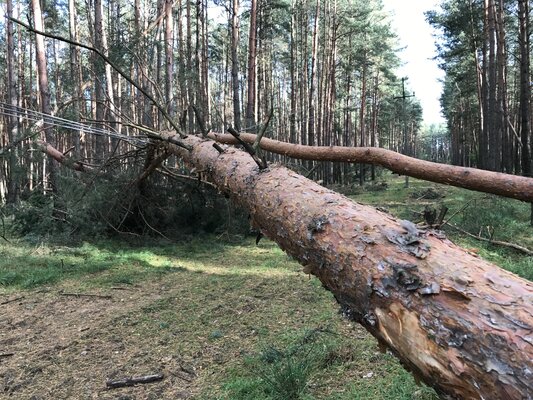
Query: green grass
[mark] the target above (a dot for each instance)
(23, 266)
(477, 213)
(244, 315)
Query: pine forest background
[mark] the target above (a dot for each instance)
(324, 70)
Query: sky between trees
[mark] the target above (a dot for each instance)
(409, 21)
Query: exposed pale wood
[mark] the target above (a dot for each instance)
(60, 157)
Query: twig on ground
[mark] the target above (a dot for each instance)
(131, 381)
(5, 355)
(514, 246)
(12, 300)
(101, 296)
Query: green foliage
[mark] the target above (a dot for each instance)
(495, 216)
(282, 374)
(111, 205)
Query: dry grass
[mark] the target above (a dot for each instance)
(204, 312)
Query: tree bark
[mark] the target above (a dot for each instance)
(516, 187)
(252, 55)
(461, 324)
(525, 87)
(235, 65)
(44, 90)
(169, 57)
(99, 77)
(12, 182)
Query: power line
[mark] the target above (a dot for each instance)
(32, 115)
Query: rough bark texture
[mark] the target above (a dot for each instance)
(513, 186)
(461, 324)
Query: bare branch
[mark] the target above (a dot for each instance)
(513, 186)
(118, 70)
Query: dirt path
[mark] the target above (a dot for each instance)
(66, 347)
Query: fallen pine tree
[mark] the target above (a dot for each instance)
(461, 324)
(513, 186)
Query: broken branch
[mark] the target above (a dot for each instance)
(131, 381)
(102, 296)
(249, 149)
(513, 186)
(514, 246)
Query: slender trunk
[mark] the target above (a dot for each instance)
(525, 87)
(12, 180)
(44, 92)
(99, 78)
(493, 113)
(292, 72)
(169, 56)
(312, 78)
(252, 55)
(235, 64)
(362, 125)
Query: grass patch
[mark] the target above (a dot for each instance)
(242, 316)
(505, 219)
(322, 364)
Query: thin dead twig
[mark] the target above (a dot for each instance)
(514, 246)
(101, 296)
(131, 381)
(12, 300)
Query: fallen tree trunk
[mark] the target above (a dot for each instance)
(461, 324)
(513, 186)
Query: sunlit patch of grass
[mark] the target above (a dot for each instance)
(507, 220)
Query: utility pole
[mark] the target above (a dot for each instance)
(406, 148)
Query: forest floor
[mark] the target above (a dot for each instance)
(219, 317)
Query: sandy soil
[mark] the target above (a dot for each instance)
(54, 346)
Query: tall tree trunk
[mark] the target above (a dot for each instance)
(235, 64)
(525, 86)
(12, 180)
(44, 92)
(493, 112)
(75, 72)
(292, 71)
(169, 57)
(362, 124)
(99, 78)
(313, 78)
(504, 160)
(252, 55)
